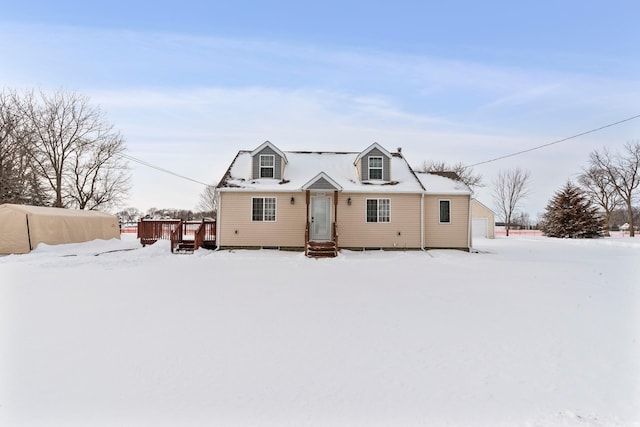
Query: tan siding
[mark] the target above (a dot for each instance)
(451, 235)
(478, 210)
(355, 232)
(286, 231)
(403, 230)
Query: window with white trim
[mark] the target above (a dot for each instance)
(267, 165)
(445, 211)
(378, 210)
(263, 208)
(375, 167)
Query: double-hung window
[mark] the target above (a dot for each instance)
(375, 167)
(378, 210)
(445, 211)
(263, 209)
(267, 165)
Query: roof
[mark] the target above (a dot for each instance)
(476, 201)
(436, 183)
(60, 212)
(303, 167)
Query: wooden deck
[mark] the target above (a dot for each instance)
(185, 236)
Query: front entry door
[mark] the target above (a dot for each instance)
(320, 218)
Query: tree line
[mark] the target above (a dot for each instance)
(57, 149)
(606, 192)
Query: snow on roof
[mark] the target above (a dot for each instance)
(437, 184)
(304, 166)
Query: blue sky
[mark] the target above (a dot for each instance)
(189, 84)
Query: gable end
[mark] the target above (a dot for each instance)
(321, 184)
(266, 151)
(386, 165)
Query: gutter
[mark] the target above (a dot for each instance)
(469, 224)
(219, 204)
(364, 189)
(422, 222)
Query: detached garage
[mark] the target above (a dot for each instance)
(483, 220)
(22, 227)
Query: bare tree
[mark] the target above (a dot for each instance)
(622, 171)
(601, 191)
(466, 174)
(522, 219)
(129, 215)
(18, 181)
(75, 150)
(207, 203)
(510, 187)
(9, 149)
(97, 176)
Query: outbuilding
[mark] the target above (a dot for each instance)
(483, 220)
(23, 227)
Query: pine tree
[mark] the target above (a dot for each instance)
(571, 214)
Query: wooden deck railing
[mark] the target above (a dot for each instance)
(206, 232)
(176, 236)
(306, 239)
(335, 236)
(201, 233)
(150, 231)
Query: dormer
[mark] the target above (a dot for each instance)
(267, 161)
(374, 164)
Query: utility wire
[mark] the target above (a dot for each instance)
(554, 142)
(158, 168)
(495, 159)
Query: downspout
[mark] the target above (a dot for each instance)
(422, 221)
(218, 222)
(469, 224)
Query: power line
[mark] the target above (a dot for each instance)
(554, 142)
(158, 168)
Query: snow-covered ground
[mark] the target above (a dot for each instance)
(528, 332)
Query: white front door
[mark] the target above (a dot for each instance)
(320, 218)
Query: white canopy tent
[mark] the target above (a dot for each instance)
(23, 227)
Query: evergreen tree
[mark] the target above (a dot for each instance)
(571, 214)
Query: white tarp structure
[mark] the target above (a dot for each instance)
(23, 227)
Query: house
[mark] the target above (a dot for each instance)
(482, 220)
(23, 227)
(319, 201)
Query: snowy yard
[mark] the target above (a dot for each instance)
(528, 332)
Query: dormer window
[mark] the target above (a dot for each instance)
(374, 164)
(267, 161)
(375, 167)
(267, 166)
